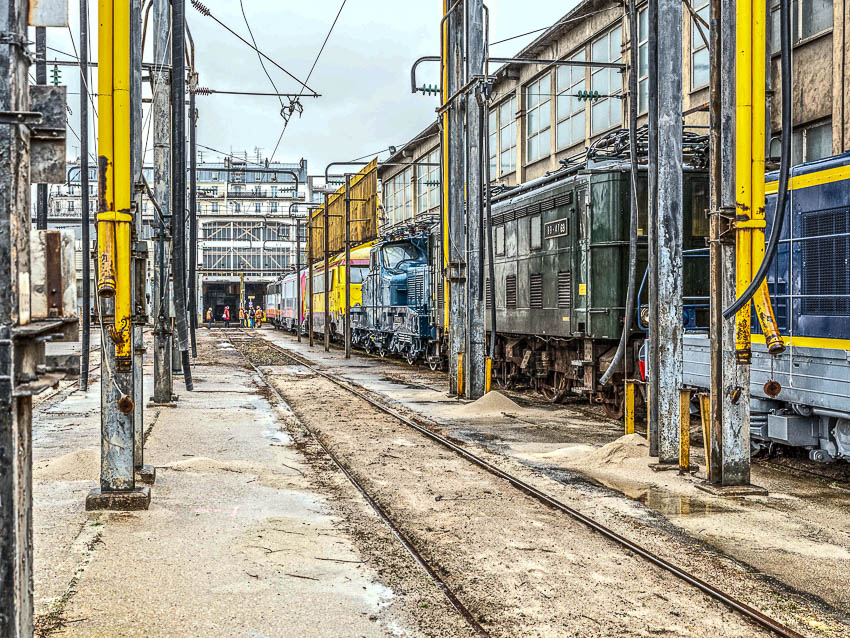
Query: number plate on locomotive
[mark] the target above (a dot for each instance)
(556, 228)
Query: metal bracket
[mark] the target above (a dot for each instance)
(21, 118)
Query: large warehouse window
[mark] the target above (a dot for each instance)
(570, 110)
(503, 138)
(699, 49)
(427, 182)
(607, 112)
(398, 200)
(538, 117)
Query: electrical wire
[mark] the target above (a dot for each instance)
(310, 74)
(259, 57)
(583, 16)
(206, 12)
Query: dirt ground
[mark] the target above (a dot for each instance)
(777, 560)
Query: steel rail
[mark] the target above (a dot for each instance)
(382, 514)
(745, 610)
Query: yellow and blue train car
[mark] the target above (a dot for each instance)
(809, 283)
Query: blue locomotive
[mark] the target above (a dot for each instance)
(394, 315)
(809, 283)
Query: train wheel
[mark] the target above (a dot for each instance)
(382, 352)
(614, 406)
(410, 357)
(434, 363)
(557, 391)
(504, 380)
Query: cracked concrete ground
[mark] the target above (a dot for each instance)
(241, 538)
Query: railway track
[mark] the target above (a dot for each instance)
(423, 428)
(411, 549)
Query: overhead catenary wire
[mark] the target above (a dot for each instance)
(259, 57)
(206, 12)
(310, 74)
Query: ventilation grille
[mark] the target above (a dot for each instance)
(441, 292)
(419, 288)
(510, 291)
(487, 292)
(565, 289)
(826, 263)
(531, 209)
(535, 287)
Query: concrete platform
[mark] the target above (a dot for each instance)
(129, 501)
(732, 490)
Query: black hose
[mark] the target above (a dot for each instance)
(633, 208)
(784, 162)
(488, 209)
(84, 184)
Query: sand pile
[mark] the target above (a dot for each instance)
(80, 465)
(491, 404)
(630, 446)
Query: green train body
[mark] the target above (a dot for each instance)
(561, 271)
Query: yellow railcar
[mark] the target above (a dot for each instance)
(336, 293)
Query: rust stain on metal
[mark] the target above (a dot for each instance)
(53, 264)
(125, 404)
(102, 167)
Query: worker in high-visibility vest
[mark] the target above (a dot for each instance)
(209, 318)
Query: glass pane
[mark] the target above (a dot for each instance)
(819, 142)
(616, 44)
(797, 147)
(562, 134)
(493, 120)
(543, 143)
(643, 60)
(643, 25)
(531, 96)
(563, 78)
(533, 122)
(577, 124)
(505, 138)
(600, 82)
(599, 117)
(816, 15)
(563, 106)
(699, 69)
(599, 50)
(643, 95)
(506, 162)
(506, 113)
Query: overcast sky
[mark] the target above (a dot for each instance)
(363, 73)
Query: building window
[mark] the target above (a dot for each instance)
(237, 207)
(699, 48)
(493, 141)
(606, 112)
(258, 177)
(503, 138)
(214, 177)
(215, 207)
(808, 143)
(427, 183)
(643, 61)
(808, 18)
(70, 204)
(570, 110)
(257, 207)
(273, 206)
(398, 198)
(538, 117)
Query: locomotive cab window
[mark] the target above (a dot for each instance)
(394, 255)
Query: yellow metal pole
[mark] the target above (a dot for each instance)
(105, 176)
(459, 374)
(743, 169)
(761, 300)
(684, 431)
(123, 178)
(705, 415)
(488, 374)
(630, 406)
(444, 77)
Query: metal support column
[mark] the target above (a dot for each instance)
(115, 177)
(668, 332)
(41, 78)
(347, 318)
(178, 194)
(326, 278)
(137, 166)
(298, 279)
(193, 213)
(163, 386)
(16, 604)
(475, 364)
(652, 223)
(735, 427)
(85, 337)
(454, 180)
(310, 258)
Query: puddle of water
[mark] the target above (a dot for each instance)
(668, 503)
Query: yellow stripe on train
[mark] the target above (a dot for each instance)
(819, 178)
